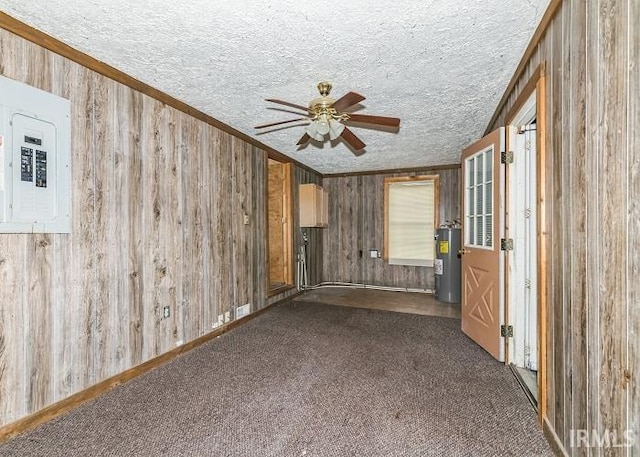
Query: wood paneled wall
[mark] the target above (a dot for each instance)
(591, 51)
(158, 200)
(356, 223)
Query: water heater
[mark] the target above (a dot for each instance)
(448, 265)
(35, 140)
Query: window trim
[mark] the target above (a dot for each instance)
(398, 179)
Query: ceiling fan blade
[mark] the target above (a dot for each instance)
(378, 120)
(292, 105)
(355, 142)
(281, 122)
(347, 100)
(304, 139)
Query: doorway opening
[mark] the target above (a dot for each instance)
(522, 228)
(279, 227)
(504, 282)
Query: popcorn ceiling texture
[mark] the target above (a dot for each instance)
(439, 65)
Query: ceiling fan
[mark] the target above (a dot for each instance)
(327, 116)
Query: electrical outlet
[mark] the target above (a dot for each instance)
(227, 316)
(243, 310)
(166, 312)
(179, 343)
(215, 324)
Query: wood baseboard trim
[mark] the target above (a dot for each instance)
(553, 440)
(56, 409)
(280, 290)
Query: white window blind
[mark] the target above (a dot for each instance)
(411, 214)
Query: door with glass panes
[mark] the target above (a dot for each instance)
(482, 259)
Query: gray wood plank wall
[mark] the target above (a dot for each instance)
(591, 50)
(158, 200)
(356, 223)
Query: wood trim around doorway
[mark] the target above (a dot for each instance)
(537, 83)
(285, 241)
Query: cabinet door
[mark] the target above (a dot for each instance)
(313, 206)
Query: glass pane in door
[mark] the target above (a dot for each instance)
(479, 200)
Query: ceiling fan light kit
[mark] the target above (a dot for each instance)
(323, 125)
(335, 129)
(327, 117)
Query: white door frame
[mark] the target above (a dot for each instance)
(522, 228)
(537, 83)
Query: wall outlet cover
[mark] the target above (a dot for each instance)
(243, 310)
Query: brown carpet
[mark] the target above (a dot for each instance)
(309, 380)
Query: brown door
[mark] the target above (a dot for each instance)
(482, 259)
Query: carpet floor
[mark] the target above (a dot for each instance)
(309, 379)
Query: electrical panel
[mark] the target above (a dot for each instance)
(35, 143)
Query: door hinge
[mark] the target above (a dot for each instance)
(506, 244)
(506, 331)
(506, 157)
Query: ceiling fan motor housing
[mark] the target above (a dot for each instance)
(322, 106)
(324, 88)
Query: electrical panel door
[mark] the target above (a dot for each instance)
(34, 160)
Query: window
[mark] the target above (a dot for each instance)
(411, 212)
(479, 200)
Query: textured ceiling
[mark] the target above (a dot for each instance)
(439, 65)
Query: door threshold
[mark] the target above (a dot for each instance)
(525, 387)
